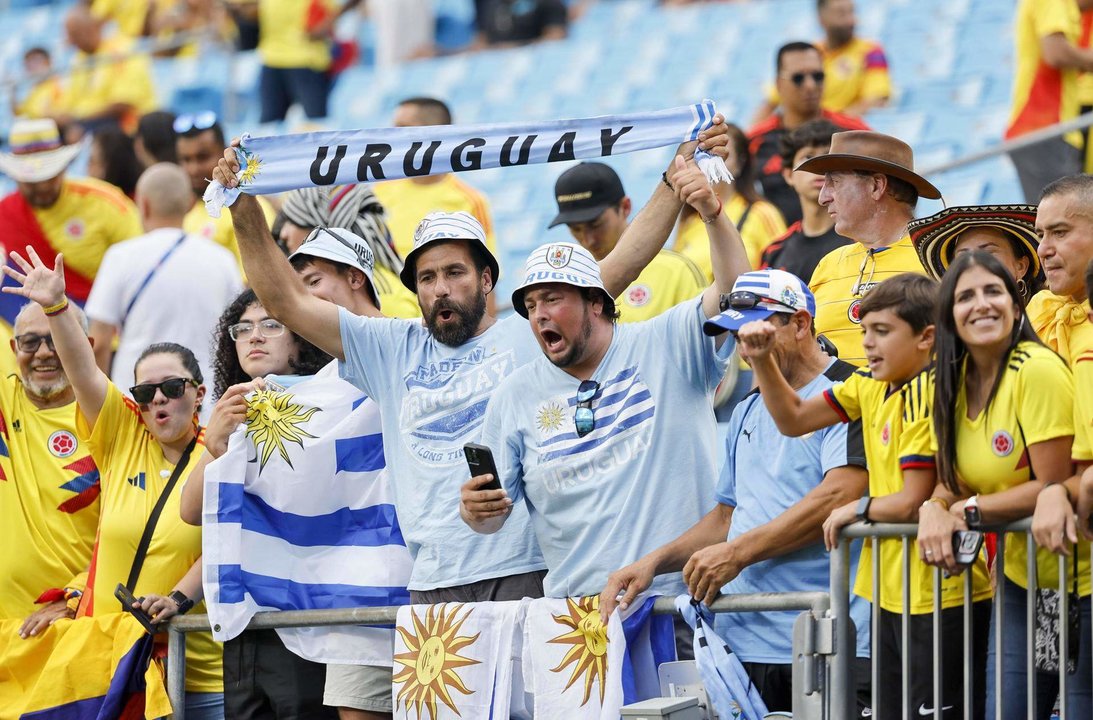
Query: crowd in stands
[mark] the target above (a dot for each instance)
(867, 365)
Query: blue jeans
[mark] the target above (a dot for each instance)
(1014, 677)
(204, 706)
(280, 88)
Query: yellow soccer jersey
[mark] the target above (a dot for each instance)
(664, 283)
(220, 230)
(1043, 95)
(855, 72)
(407, 202)
(115, 74)
(396, 300)
(1033, 403)
(283, 40)
(1083, 407)
(134, 473)
(763, 225)
(49, 499)
(897, 434)
(88, 217)
(841, 280)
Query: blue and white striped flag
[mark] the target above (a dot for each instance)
(299, 515)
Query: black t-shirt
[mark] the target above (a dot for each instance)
(799, 254)
(503, 21)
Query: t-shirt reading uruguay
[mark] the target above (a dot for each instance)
(433, 398)
(766, 473)
(645, 473)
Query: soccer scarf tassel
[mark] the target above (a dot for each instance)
(345, 157)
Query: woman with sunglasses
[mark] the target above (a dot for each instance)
(250, 346)
(142, 448)
(1003, 423)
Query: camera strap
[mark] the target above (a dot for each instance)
(153, 519)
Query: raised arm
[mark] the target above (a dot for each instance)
(793, 416)
(46, 286)
(276, 284)
(645, 237)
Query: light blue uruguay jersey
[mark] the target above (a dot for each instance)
(433, 399)
(765, 473)
(642, 476)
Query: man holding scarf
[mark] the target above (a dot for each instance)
(433, 380)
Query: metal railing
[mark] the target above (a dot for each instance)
(815, 649)
(874, 532)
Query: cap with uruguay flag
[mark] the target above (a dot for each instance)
(560, 262)
(770, 292)
(443, 227)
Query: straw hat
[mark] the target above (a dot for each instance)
(935, 236)
(872, 152)
(35, 151)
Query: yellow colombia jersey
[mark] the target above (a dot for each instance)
(396, 300)
(1083, 407)
(49, 499)
(1043, 95)
(129, 15)
(763, 225)
(88, 217)
(115, 74)
(283, 40)
(841, 280)
(407, 202)
(1033, 404)
(664, 283)
(134, 473)
(897, 433)
(220, 230)
(855, 72)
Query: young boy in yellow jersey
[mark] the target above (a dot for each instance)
(892, 399)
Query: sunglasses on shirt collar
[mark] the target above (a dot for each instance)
(584, 417)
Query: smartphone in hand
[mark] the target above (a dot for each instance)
(966, 546)
(127, 599)
(480, 462)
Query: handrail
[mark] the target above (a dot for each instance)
(891, 530)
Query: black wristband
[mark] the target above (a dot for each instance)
(863, 508)
(666, 181)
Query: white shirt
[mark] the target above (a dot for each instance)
(180, 303)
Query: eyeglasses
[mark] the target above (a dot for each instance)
(196, 121)
(748, 300)
(859, 288)
(172, 389)
(584, 419)
(798, 78)
(30, 343)
(268, 328)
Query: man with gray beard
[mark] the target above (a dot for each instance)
(49, 485)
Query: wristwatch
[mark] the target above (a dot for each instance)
(863, 508)
(184, 603)
(972, 516)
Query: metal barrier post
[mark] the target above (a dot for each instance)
(1030, 623)
(1064, 634)
(841, 704)
(176, 671)
(938, 660)
(999, 615)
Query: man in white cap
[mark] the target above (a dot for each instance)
(56, 214)
(433, 379)
(612, 422)
(774, 492)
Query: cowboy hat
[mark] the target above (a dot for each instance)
(934, 237)
(35, 151)
(872, 152)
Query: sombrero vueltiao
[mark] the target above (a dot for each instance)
(35, 152)
(934, 236)
(871, 152)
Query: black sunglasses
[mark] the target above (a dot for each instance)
(364, 254)
(798, 78)
(30, 343)
(172, 389)
(747, 300)
(584, 419)
(196, 121)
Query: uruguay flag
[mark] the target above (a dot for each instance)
(299, 515)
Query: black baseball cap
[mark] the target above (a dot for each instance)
(584, 192)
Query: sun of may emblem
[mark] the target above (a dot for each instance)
(252, 165)
(430, 665)
(550, 417)
(273, 420)
(588, 636)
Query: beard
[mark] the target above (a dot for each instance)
(468, 316)
(840, 36)
(579, 347)
(46, 391)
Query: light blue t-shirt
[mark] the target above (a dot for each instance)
(645, 473)
(775, 473)
(433, 398)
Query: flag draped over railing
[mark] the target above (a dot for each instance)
(298, 515)
(345, 157)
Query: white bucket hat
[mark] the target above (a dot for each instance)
(443, 227)
(560, 262)
(341, 246)
(35, 152)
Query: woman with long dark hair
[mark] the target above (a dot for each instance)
(1003, 422)
(757, 220)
